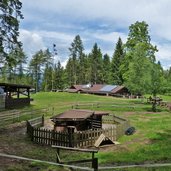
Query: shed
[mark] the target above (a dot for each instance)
(78, 120)
(14, 95)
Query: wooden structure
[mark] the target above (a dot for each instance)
(76, 139)
(101, 89)
(15, 95)
(78, 120)
(93, 160)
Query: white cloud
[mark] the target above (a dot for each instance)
(58, 21)
(110, 37)
(59, 36)
(32, 42)
(164, 52)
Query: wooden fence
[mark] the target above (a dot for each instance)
(11, 116)
(76, 139)
(102, 105)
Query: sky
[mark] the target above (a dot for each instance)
(48, 22)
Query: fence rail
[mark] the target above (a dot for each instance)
(76, 139)
(102, 104)
(12, 116)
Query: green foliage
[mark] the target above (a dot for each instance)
(117, 60)
(96, 64)
(9, 26)
(37, 64)
(47, 78)
(139, 69)
(106, 70)
(75, 61)
(138, 77)
(59, 77)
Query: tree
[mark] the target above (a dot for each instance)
(69, 72)
(59, 76)
(96, 65)
(158, 82)
(117, 60)
(37, 65)
(10, 14)
(139, 68)
(138, 77)
(82, 69)
(76, 56)
(106, 69)
(47, 78)
(14, 64)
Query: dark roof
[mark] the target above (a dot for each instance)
(76, 115)
(14, 85)
(117, 89)
(75, 88)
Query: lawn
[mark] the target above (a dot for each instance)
(149, 144)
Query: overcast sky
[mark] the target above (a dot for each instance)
(48, 22)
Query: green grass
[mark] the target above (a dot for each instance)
(149, 144)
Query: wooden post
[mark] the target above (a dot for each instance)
(28, 92)
(95, 164)
(43, 120)
(71, 131)
(18, 93)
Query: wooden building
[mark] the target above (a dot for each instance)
(101, 89)
(78, 120)
(14, 95)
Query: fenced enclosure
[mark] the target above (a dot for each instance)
(75, 139)
(12, 116)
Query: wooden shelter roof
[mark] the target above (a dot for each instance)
(14, 85)
(77, 115)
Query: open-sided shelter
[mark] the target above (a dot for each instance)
(78, 120)
(14, 95)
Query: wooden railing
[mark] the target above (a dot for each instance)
(102, 104)
(11, 116)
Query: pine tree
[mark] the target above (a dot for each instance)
(117, 60)
(37, 65)
(106, 69)
(59, 77)
(96, 65)
(76, 55)
(47, 78)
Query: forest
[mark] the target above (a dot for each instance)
(133, 63)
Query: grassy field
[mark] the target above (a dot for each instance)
(151, 142)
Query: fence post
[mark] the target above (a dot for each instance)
(95, 164)
(27, 124)
(32, 133)
(43, 120)
(71, 137)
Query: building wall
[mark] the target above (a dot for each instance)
(2, 101)
(14, 103)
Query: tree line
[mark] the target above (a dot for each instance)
(132, 64)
